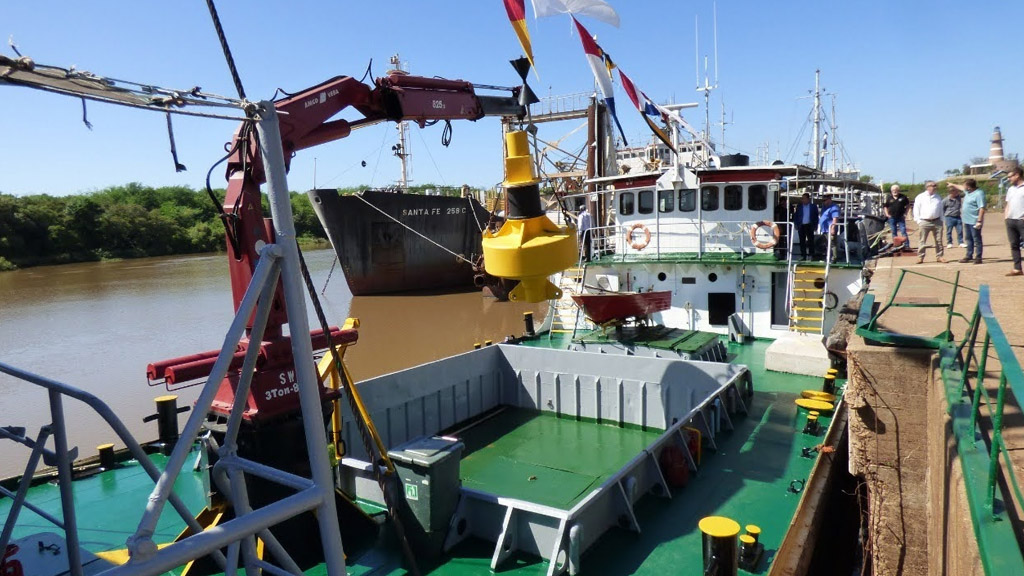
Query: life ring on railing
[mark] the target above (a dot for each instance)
(636, 243)
(762, 243)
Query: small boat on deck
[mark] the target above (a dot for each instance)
(621, 306)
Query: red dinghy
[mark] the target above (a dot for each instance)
(602, 308)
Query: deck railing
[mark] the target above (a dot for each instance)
(993, 488)
(63, 458)
(702, 238)
(976, 384)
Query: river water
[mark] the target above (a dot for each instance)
(97, 325)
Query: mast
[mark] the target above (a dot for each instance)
(817, 122)
(402, 148)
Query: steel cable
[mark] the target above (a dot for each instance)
(227, 50)
(364, 433)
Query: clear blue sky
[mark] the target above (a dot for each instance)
(919, 85)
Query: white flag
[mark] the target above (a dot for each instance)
(598, 9)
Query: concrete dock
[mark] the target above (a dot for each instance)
(900, 435)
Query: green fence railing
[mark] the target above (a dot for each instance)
(993, 490)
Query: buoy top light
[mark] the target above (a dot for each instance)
(719, 526)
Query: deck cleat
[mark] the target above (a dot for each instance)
(529, 247)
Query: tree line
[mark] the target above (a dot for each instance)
(127, 221)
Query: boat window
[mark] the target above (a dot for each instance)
(688, 280)
(709, 198)
(757, 197)
(626, 203)
(666, 200)
(646, 202)
(687, 200)
(733, 197)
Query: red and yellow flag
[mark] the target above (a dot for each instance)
(516, 10)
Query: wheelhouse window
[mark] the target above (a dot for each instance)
(709, 198)
(626, 203)
(687, 200)
(757, 197)
(646, 201)
(666, 200)
(733, 197)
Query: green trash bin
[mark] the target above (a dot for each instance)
(429, 470)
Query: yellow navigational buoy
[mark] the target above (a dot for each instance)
(529, 247)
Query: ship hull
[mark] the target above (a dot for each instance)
(377, 237)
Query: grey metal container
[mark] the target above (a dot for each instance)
(429, 469)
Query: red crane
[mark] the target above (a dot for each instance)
(305, 122)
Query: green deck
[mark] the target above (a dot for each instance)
(657, 337)
(747, 479)
(109, 506)
(545, 459)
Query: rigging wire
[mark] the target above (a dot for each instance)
(380, 152)
(413, 230)
(226, 49)
(361, 425)
(431, 156)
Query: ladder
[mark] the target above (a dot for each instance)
(807, 302)
(566, 316)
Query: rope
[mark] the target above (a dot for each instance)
(329, 274)
(364, 434)
(227, 51)
(472, 209)
(416, 232)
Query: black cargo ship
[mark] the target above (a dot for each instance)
(377, 237)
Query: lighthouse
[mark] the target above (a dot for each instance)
(995, 151)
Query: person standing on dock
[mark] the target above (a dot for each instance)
(972, 212)
(951, 212)
(584, 225)
(1014, 215)
(896, 211)
(928, 215)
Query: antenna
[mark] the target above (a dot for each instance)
(708, 86)
(696, 50)
(714, 8)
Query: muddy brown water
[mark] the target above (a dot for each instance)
(97, 325)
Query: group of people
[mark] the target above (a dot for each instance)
(961, 213)
(808, 219)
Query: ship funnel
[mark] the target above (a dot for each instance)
(529, 247)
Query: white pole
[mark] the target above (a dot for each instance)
(298, 326)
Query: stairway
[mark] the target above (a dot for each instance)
(566, 316)
(807, 306)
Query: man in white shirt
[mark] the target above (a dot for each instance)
(584, 225)
(928, 215)
(1014, 215)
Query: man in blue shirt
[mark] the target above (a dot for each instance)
(972, 212)
(827, 221)
(805, 218)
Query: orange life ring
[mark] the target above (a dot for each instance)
(637, 244)
(764, 244)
